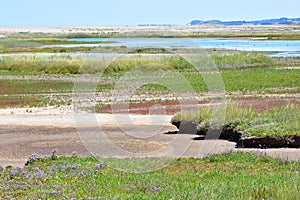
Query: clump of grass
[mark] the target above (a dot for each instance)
(240, 60)
(36, 64)
(148, 63)
(235, 115)
(280, 121)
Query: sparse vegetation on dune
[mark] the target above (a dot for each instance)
(267, 33)
(215, 177)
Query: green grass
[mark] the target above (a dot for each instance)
(280, 121)
(13, 87)
(20, 101)
(240, 60)
(226, 176)
(36, 64)
(34, 93)
(71, 65)
(243, 80)
(256, 79)
(33, 45)
(22, 42)
(45, 50)
(246, 80)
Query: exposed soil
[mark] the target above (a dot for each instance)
(18, 142)
(45, 129)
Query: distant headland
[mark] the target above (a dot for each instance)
(282, 20)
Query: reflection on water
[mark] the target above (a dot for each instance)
(275, 48)
(219, 43)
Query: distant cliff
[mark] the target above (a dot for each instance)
(257, 22)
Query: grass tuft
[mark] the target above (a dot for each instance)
(280, 121)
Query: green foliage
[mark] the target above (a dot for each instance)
(258, 79)
(240, 60)
(231, 116)
(225, 176)
(71, 65)
(280, 121)
(20, 93)
(36, 64)
(32, 42)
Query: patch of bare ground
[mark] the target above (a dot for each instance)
(48, 128)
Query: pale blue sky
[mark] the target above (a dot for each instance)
(134, 12)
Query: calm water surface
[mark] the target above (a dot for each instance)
(219, 43)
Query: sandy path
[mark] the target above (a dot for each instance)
(43, 130)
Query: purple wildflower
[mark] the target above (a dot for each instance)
(39, 173)
(81, 173)
(156, 189)
(74, 153)
(36, 169)
(63, 167)
(99, 166)
(38, 183)
(34, 156)
(73, 173)
(55, 186)
(53, 192)
(14, 172)
(74, 166)
(53, 169)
